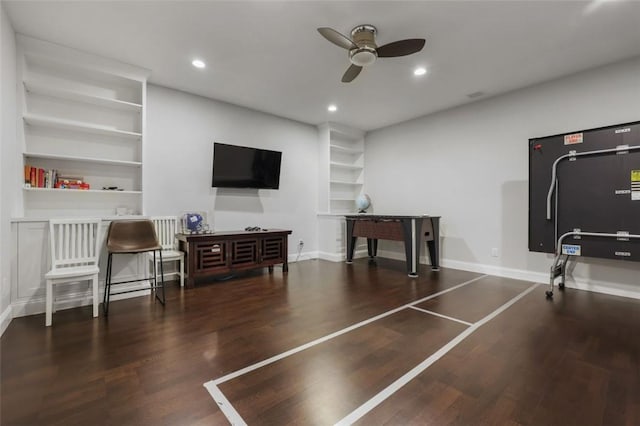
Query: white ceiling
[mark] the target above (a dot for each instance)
(268, 55)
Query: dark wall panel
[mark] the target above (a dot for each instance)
(595, 193)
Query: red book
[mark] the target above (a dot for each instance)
(27, 175)
(32, 177)
(40, 178)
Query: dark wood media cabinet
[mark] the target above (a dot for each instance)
(224, 252)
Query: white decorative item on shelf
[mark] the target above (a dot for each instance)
(363, 202)
(195, 223)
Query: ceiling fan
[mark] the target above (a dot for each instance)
(363, 50)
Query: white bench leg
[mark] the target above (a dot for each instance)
(48, 308)
(182, 272)
(95, 295)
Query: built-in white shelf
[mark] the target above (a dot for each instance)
(56, 123)
(345, 166)
(342, 171)
(346, 149)
(77, 96)
(79, 191)
(82, 159)
(344, 182)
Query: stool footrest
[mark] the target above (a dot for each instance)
(132, 281)
(153, 287)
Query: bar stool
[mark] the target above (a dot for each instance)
(132, 237)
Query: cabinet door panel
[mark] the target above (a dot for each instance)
(211, 256)
(244, 252)
(272, 249)
(33, 258)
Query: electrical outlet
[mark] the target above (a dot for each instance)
(494, 252)
(301, 242)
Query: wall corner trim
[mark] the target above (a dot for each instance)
(5, 319)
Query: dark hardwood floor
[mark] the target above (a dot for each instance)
(575, 360)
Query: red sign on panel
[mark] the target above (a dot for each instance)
(573, 139)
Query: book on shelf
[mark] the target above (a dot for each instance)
(35, 177)
(67, 182)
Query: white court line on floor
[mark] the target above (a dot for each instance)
(395, 386)
(440, 315)
(225, 406)
(300, 348)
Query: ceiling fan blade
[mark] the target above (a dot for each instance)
(401, 48)
(351, 73)
(336, 38)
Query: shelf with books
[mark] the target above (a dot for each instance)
(83, 191)
(83, 121)
(37, 177)
(47, 172)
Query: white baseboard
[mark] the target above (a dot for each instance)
(36, 305)
(604, 287)
(341, 257)
(305, 255)
(5, 319)
(331, 257)
(499, 271)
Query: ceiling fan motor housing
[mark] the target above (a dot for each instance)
(364, 37)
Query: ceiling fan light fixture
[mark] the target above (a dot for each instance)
(363, 49)
(363, 56)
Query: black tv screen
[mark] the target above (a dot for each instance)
(244, 167)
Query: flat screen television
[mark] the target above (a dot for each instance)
(244, 167)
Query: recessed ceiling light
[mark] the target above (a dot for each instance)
(332, 108)
(198, 63)
(420, 71)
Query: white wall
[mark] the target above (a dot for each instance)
(181, 129)
(7, 158)
(470, 165)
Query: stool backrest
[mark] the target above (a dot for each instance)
(132, 236)
(166, 229)
(74, 242)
